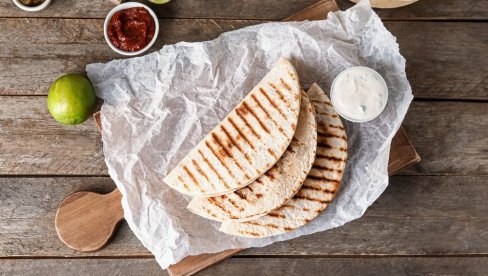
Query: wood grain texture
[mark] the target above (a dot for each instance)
(48, 48)
(256, 266)
(450, 137)
(28, 208)
(416, 215)
(95, 267)
(351, 266)
(445, 60)
(32, 142)
(253, 9)
(450, 63)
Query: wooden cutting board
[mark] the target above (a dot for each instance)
(85, 221)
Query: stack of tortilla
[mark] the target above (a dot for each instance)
(272, 165)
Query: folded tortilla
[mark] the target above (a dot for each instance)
(249, 141)
(274, 187)
(319, 187)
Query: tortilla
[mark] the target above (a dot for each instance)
(249, 141)
(274, 187)
(319, 187)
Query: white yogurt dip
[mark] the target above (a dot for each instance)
(359, 94)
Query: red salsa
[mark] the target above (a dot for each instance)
(131, 29)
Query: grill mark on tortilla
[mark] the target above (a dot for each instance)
(228, 152)
(249, 233)
(287, 228)
(280, 94)
(271, 152)
(258, 181)
(312, 199)
(270, 174)
(292, 76)
(328, 146)
(329, 114)
(214, 170)
(199, 169)
(221, 145)
(183, 182)
(250, 188)
(268, 115)
(209, 212)
(323, 190)
(321, 102)
(322, 168)
(241, 115)
(234, 143)
(265, 225)
(323, 178)
(286, 205)
(222, 163)
(333, 158)
(305, 209)
(240, 194)
(325, 127)
(323, 134)
(258, 195)
(323, 113)
(324, 145)
(261, 124)
(218, 205)
(286, 85)
(276, 215)
(241, 133)
(232, 202)
(192, 177)
(265, 94)
(335, 126)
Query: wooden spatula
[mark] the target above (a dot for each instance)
(85, 221)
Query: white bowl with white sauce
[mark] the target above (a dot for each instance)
(359, 94)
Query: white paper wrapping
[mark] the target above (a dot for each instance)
(159, 106)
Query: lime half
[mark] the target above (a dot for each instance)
(159, 1)
(71, 99)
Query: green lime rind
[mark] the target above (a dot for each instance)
(71, 99)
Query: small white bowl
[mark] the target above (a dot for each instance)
(39, 7)
(333, 97)
(125, 6)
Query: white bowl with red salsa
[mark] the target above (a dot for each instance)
(131, 28)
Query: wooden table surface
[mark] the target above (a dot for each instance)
(432, 219)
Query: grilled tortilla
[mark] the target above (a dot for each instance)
(319, 187)
(247, 142)
(274, 187)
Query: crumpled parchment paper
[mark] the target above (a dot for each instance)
(159, 106)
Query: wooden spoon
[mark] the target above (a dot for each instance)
(388, 4)
(85, 221)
